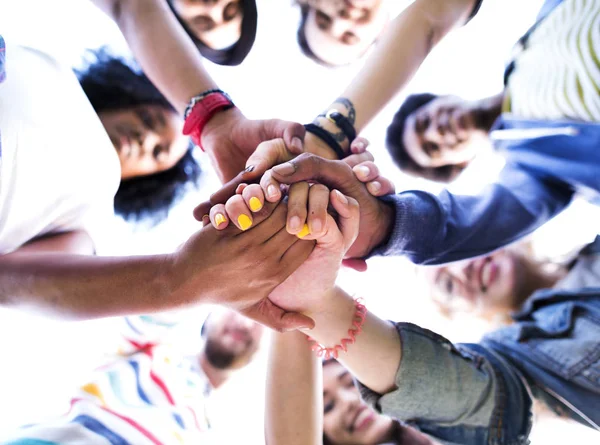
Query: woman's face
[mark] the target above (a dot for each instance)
(147, 138)
(485, 284)
(341, 31)
(445, 131)
(217, 23)
(348, 420)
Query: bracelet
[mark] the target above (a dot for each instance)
(194, 100)
(357, 323)
(343, 123)
(327, 138)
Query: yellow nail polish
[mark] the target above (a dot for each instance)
(255, 204)
(304, 232)
(244, 221)
(219, 219)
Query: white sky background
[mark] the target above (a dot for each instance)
(42, 360)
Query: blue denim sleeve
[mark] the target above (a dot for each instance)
(436, 230)
(464, 394)
(2, 59)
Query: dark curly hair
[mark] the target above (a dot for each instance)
(236, 53)
(110, 83)
(396, 148)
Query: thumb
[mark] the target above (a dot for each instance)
(267, 313)
(358, 264)
(292, 134)
(266, 155)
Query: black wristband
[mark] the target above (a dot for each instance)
(342, 123)
(327, 138)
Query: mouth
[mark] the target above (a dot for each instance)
(364, 417)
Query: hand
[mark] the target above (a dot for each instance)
(230, 139)
(304, 290)
(240, 270)
(376, 217)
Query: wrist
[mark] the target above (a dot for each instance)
(387, 218)
(334, 318)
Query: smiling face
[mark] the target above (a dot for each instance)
(488, 284)
(231, 339)
(147, 138)
(446, 131)
(341, 31)
(348, 420)
(216, 23)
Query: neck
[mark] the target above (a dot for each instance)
(538, 277)
(488, 110)
(215, 376)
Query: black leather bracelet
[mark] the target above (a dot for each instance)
(327, 138)
(342, 123)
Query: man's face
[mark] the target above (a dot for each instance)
(147, 138)
(216, 23)
(341, 31)
(231, 339)
(446, 131)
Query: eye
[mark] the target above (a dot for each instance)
(328, 407)
(323, 20)
(449, 285)
(231, 11)
(159, 152)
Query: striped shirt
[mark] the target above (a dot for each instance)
(148, 394)
(557, 71)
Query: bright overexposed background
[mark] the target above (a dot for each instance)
(41, 360)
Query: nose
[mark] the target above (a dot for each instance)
(432, 134)
(339, 27)
(151, 140)
(216, 14)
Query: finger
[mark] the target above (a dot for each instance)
(359, 145)
(205, 220)
(270, 187)
(240, 188)
(201, 210)
(366, 171)
(318, 200)
(267, 313)
(308, 167)
(292, 132)
(356, 159)
(218, 217)
(357, 264)
(268, 154)
(238, 212)
(297, 207)
(248, 176)
(254, 197)
(348, 216)
(381, 187)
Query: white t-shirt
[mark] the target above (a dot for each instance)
(58, 169)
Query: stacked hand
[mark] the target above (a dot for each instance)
(303, 291)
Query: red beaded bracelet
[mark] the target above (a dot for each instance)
(357, 323)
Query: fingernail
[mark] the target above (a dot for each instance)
(374, 186)
(359, 145)
(255, 204)
(297, 143)
(316, 226)
(304, 232)
(285, 169)
(362, 170)
(249, 169)
(244, 222)
(341, 197)
(205, 219)
(219, 219)
(295, 223)
(272, 191)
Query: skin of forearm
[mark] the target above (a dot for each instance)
(396, 58)
(80, 287)
(165, 52)
(294, 399)
(375, 356)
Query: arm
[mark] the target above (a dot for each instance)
(436, 230)
(294, 399)
(397, 56)
(75, 242)
(411, 374)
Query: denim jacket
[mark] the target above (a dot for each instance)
(481, 393)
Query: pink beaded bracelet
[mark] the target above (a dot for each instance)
(357, 323)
